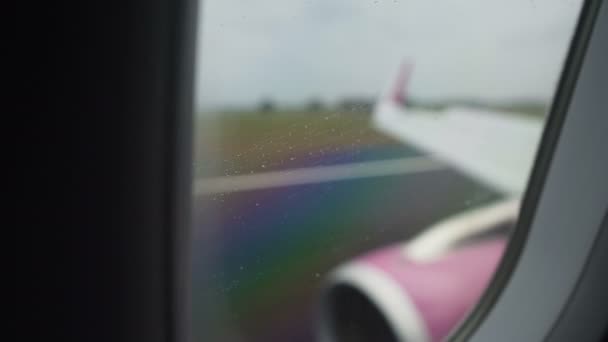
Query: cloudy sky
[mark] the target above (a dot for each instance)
(294, 50)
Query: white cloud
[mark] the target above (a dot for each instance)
(292, 50)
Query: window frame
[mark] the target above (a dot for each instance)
(575, 120)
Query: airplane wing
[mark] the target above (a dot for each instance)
(494, 148)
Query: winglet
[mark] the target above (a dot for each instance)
(397, 93)
(391, 105)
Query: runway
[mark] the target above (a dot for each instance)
(264, 240)
(316, 174)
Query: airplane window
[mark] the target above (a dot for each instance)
(359, 164)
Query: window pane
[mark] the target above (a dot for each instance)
(359, 164)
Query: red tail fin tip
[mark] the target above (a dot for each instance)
(398, 94)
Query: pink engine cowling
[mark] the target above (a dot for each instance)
(386, 296)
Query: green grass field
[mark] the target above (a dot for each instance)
(247, 142)
(242, 142)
